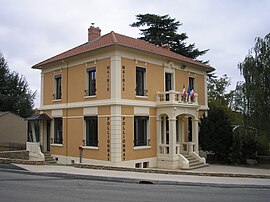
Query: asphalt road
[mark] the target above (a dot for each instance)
(18, 186)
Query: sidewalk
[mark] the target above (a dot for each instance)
(193, 178)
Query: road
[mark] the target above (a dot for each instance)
(18, 186)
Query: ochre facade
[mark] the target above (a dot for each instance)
(148, 128)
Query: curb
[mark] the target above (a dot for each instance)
(134, 180)
(173, 172)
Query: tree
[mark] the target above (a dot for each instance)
(256, 86)
(161, 30)
(15, 94)
(217, 90)
(216, 133)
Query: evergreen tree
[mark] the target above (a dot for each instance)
(161, 30)
(15, 94)
(216, 134)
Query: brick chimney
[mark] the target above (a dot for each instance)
(93, 33)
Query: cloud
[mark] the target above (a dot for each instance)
(34, 30)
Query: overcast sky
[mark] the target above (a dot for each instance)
(34, 30)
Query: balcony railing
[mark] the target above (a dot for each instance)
(165, 149)
(188, 147)
(177, 97)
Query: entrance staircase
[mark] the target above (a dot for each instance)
(49, 160)
(194, 162)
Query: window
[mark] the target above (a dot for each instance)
(168, 84)
(191, 83)
(168, 81)
(140, 130)
(91, 123)
(91, 81)
(58, 87)
(58, 138)
(140, 81)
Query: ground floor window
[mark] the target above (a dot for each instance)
(91, 123)
(58, 123)
(140, 130)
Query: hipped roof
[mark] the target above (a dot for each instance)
(113, 38)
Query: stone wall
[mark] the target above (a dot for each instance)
(15, 155)
(12, 147)
(20, 161)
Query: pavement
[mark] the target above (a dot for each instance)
(243, 177)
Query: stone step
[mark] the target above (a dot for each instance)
(49, 159)
(47, 153)
(195, 166)
(189, 157)
(194, 162)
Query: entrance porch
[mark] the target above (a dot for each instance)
(177, 131)
(38, 140)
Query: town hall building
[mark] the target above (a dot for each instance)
(127, 102)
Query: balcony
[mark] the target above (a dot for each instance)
(175, 98)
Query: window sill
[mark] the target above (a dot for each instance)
(57, 145)
(90, 96)
(90, 147)
(142, 96)
(141, 147)
(57, 100)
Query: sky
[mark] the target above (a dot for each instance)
(34, 30)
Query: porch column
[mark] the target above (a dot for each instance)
(158, 134)
(32, 125)
(181, 134)
(172, 138)
(195, 134)
(41, 133)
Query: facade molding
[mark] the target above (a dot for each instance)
(116, 76)
(134, 55)
(86, 61)
(57, 113)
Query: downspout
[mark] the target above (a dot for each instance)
(66, 110)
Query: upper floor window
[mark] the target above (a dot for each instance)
(91, 123)
(140, 81)
(91, 81)
(57, 87)
(141, 130)
(191, 83)
(58, 136)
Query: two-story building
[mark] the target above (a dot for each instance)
(125, 101)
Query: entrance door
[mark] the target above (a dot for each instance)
(48, 135)
(168, 84)
(189, 129)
